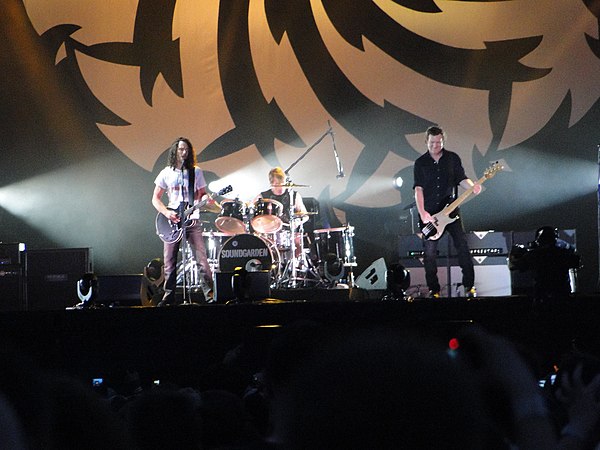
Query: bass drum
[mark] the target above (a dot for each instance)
(249, 252)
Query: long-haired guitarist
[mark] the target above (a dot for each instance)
(437, 174)
(183, 182)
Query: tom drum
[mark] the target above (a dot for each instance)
(231, 218)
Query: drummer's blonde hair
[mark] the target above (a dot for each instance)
(276, 172)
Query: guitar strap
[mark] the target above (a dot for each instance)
(191, 185)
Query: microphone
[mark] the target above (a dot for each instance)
(338, 163)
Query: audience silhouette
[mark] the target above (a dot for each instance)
(321, 387)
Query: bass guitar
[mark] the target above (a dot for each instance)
(433, 230)
(170, 232)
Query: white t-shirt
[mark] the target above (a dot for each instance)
(172, 180)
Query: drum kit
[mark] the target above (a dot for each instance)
(255, 237)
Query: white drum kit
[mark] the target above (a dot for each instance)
(256, 238)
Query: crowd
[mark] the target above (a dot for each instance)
(319, 388)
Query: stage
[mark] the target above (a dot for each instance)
(179, 343)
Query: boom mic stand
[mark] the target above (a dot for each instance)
(294, 263)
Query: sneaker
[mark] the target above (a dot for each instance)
(434, 294)
(209, 297)
(471, 293)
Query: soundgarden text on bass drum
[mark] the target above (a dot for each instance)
(171, 232)
(434, 230)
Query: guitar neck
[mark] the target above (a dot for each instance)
(462, 197)
(200, 204)
(209, 197)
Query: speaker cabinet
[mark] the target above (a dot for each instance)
(12, 253)
(12, 288)
(119, 290)
(52, 276)
(492, 277)
(251, 286)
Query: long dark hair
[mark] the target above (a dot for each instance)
(189, 162)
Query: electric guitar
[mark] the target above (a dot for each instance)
(433, 230)
(171, 232)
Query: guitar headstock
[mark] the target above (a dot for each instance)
(493, 170)
(225, 190)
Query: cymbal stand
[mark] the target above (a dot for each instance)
(294, 263)
(299, 270)
(310, 273)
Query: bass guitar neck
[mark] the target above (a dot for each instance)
(435, 229)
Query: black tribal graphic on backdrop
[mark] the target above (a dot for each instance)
(253, 83)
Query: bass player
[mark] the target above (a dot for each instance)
(437, 174)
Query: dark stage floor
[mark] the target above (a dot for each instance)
(181, 342)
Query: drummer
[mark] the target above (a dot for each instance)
(283, 194)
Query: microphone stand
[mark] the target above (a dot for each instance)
(184, 247)
(307, 151)
(292, 280)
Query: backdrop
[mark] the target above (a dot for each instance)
(93, 92)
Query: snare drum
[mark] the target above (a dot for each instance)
(336, 241)
(249, 252)
(267, 216)
(231, 218)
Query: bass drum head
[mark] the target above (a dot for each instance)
(249, 252)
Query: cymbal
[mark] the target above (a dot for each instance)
(307, 213)
(286, 185)
(211, 208)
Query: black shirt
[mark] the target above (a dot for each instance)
(284, 199)
(438, 179)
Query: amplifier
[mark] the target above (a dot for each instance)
(252, 286)
(12, 287)
(52, 276)
(481, 243)
(312, 206)
(12, 253)
(119, 290)
(492, 280)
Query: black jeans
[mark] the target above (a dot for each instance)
(170, 251)
(459, 238)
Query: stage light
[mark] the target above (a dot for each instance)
(87, 291)
(398, 280)
(398, 182)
